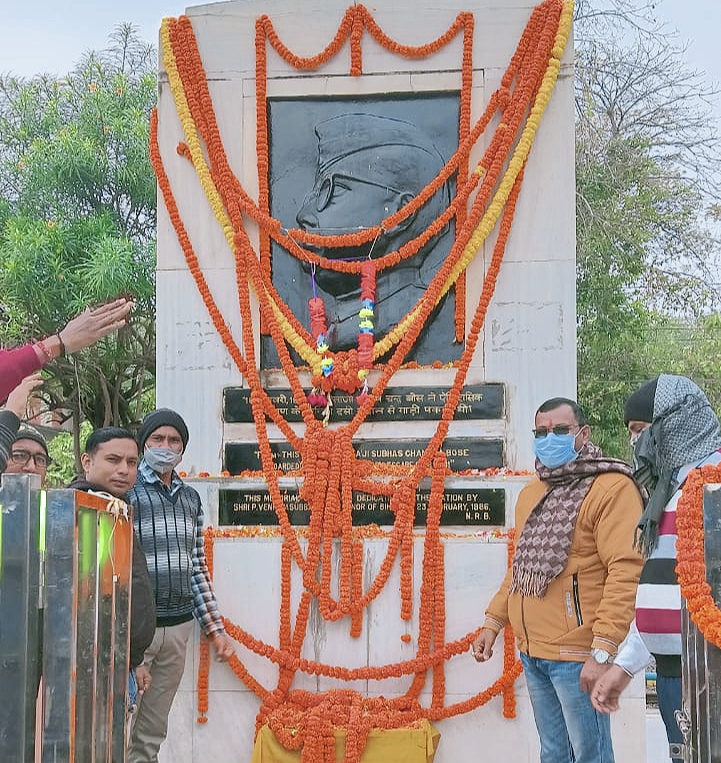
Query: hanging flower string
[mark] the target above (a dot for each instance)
(691, 566)
(509, 643)
(330, 469)
(365, 325)
(319, 330)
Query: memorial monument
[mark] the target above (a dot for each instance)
(366, 284)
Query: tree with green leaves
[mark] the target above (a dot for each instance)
(647, 173)
(77, 224)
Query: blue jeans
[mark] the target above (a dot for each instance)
(132, 692)
(571, 731)
(668, 691)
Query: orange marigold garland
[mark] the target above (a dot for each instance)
(203, 679)
(319, 330)
(284, 633)
(436, 563)
(509, 644)
(356, 626)
(330, 468)
(691, 566)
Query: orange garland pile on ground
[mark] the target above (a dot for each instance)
(330, 468)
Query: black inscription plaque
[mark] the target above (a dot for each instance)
(478, 401)
(461, 506)
(461, 453)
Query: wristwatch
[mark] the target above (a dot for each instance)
(601, 656)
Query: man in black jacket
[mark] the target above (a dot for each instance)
(110, 463)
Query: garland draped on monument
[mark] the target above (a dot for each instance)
(330, 469)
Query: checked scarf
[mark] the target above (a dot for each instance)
(545, 541)
(684, 430)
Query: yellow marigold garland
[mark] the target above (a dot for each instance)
(302, 344)
(340, 471)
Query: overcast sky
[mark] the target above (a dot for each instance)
(51, 35)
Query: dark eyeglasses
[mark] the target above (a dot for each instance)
(558, 429)
(324, 190)
(21, 457)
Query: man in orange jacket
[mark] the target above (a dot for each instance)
(569, 594)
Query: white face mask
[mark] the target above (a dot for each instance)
(162, 460)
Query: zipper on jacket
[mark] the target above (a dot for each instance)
(525, 630)
(576, 599)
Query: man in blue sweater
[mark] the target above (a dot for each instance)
(169, 524)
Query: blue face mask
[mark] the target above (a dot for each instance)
(555, 450)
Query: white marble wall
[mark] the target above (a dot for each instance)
(528, 343)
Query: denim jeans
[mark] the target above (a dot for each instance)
(132, 692)
(668, 691)
(571, 731)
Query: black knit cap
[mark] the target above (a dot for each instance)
(29, 433)
(639, 407)
(163, 417)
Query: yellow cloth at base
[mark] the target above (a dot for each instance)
(406, 745)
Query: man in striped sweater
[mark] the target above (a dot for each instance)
(169, 524)
(673, 430)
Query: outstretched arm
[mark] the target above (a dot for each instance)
(82, 331)
(85, 329)
(206, 606)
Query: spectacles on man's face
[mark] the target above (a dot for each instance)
(21, 457)
(326, 188)
(559, 429)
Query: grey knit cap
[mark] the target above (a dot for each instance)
(160, 418)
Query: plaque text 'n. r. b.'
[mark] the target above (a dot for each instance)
(461, 506)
